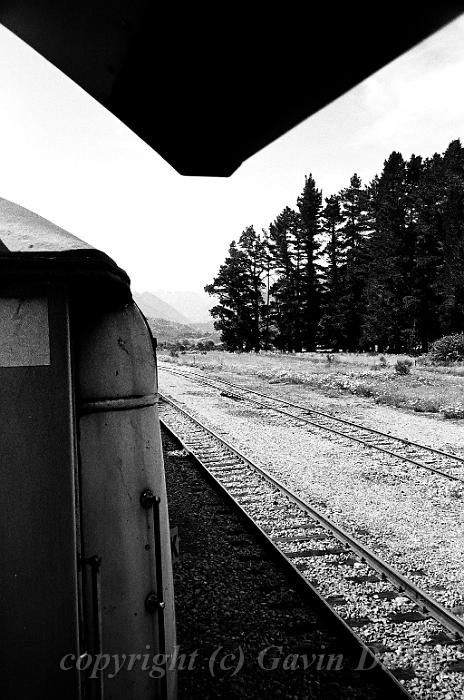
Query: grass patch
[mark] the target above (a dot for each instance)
(423, 389)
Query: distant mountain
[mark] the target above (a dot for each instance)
(194, 305)
(154, 307)
(169, 331)
(206, 327)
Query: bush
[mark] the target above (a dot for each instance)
(363, 390)
(456, 411)
(450, 348)
(425, 405)
(403, 366)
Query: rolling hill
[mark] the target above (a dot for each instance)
(171, 332)
(194, 305)
(169, 324)
(154, 307)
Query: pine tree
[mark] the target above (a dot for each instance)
(425, 222)
(238, 286)
(451, 281)
(285, 253)
(309, 204)
(356, 224)
(267, 332)
(387, 283)
(332, 325)
(255, 251)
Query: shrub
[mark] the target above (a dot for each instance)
(450, 348)
(403, 366)
(456, 411)
(425, 405)
(363, 390)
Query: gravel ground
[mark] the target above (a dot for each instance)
(230, 597)
(426, 428)
(412, 518)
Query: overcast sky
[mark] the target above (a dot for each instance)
(63, 156)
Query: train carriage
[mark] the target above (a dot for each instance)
(85, 577)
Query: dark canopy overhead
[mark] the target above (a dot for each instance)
(208, 87)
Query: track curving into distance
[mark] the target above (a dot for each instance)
(443, 463)
(382, 607)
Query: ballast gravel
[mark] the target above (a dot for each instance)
(443, 665)
(409, 516)
(230, 597)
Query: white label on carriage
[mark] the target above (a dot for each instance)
(24, 332)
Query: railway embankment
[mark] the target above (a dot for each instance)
(243, 630)
(416, 637)
(410, 516)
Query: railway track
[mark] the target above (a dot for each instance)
(445, 464)
(414, 637)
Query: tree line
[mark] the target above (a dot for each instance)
(377, 265)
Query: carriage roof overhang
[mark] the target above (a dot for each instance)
(33, 251)
(208, 86)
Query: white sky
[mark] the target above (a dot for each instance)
(63, 156)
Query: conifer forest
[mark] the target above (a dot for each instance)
(377, 266)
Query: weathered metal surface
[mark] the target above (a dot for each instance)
(38, 568)
(123, 497)
(24, 332)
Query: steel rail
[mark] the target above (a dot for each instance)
(452, 623)
(358, 426)
(296, 576)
